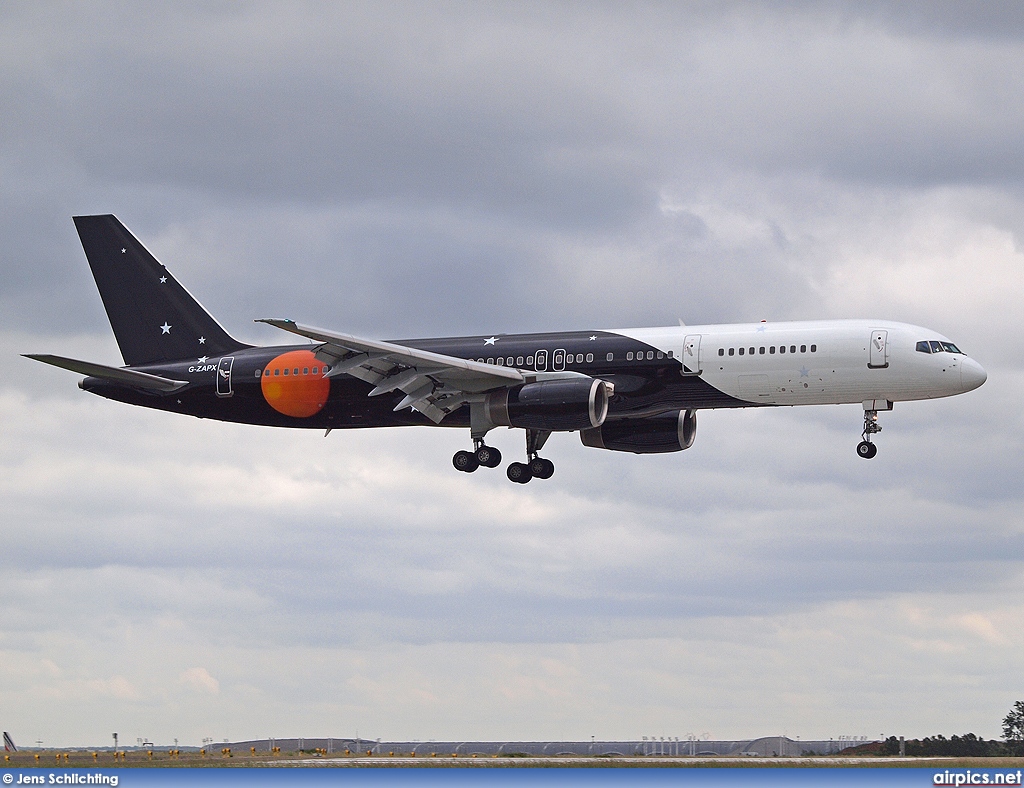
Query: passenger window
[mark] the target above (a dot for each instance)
(286, 372)
(803, 348)
(295, 371)
(650, 355)
(814, 348)
(305, 370)
(662, 355)
(316, 370)
(761, 350)
(670, 354)
(277, 372)
(782, 348)
(490, 361)
(266, 373)
(741, 351)
(590, 357)
(792, 348)
(721, 351)
(751, 351)
(529, 361)
(732, 350)
(771, 350)
(629, 356)
(519, 361)
(259, 373)
(501, 362)
(610, 357)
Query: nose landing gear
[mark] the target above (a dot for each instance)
(866, 448)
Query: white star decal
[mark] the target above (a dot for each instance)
(123, 251)
(490, 341)
(202, 340)
(165, 329)
(593, 339)
(202, 359)
(163, 279)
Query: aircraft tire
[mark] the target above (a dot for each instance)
(488, 456)
(866, 450)
(518, 473)
(541, 468)
(465, 461)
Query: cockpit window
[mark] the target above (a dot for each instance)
(934, 346)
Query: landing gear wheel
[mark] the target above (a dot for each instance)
(518, 473)
(488, 456)
(465, 461)
(541, 468)
(866, 450)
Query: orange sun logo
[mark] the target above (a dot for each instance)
(294, 384)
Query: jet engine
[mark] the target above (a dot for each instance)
(673, 431)
(556, 405)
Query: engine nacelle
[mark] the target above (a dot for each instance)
(556, 405)
(654, 435)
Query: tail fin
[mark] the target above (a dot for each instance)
(154, 318)
(9, 743)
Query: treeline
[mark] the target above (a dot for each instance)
(966, 746)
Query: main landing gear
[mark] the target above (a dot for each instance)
(482, 454)
(866, 448)
(536, 467)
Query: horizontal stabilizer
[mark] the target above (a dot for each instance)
(127, 377)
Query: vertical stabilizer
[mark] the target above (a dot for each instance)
(9, 743)
(154, 318)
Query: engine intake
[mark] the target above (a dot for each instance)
(556, 405)
(668, 432)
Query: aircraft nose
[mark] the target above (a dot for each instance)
(972, 374)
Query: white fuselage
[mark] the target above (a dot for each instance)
(818, 362)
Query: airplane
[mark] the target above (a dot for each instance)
(630, 390)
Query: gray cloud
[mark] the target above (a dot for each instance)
(407, 172)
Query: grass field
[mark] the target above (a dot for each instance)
(164, 758)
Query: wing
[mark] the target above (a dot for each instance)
(434, 384)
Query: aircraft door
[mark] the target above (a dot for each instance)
(224, 376)
(691, 355)
(878, 350)
(540, 361)
(558, 360)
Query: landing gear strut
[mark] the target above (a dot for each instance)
(535, 467)
(866, 448)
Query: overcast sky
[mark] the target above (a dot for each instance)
(465, 168)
